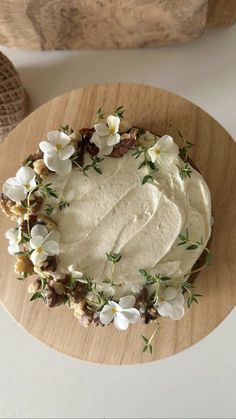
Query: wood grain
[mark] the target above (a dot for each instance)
(221, 12)
(214, 154)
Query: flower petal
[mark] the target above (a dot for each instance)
(164, 308)
(127, 302)
(105, 150)
(13, 248)
(51, 248)
(47, 147)
(177, 312)
(53, 235)
(113, 139)
(61, 167)
(132, 315)
(101, 129)
(66, 152)
(37, 258)
(113, 123)
(16, 193)
(169, 293)
(39, 230)
(166, 143)
(24, 175)
(36, 242)
(12, 234)
(179, 300)
(121, 322)
(107, 315)
(58, 137)
(152, 153)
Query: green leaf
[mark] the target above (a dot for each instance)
(145, 339)
(192, 247)
(151, 165)
(114, 257)
(146, 179)
(36, 295)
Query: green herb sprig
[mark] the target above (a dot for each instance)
(185, 171)
(187, 145)
(148, 341)
(66, 129)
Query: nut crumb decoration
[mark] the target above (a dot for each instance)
(31, 200)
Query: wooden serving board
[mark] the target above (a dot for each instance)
(215, 155)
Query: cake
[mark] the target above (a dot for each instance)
(114, 221)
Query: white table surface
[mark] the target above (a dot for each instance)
(36, 381)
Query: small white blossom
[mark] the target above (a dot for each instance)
(74, 273)
(16, 188)
(57, 152)
(122, 313)
(170, 303)
(106, 136)
(43, 244)
(164, 152)
(13, 235)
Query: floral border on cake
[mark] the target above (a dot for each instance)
(35, 240)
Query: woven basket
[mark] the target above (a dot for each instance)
(12, 97)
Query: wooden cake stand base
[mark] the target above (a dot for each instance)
(215, 155)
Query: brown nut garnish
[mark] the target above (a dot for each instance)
(40, 167)
(49, 224)
(34, 286)
(58, 287)
(124, 126)
(23, 264)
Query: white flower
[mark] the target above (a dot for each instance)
(75, 274)
(122, 313)
(57, 152)
(44, 244)
(164, 152)
(16, 188)
(13, 235)
(171, 303)
(106, 136)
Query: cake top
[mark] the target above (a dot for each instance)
(112, 219)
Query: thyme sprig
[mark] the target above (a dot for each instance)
(62, 204)
(66, 129)
(185, 171)
(193, 297)
(153, 279)
(146, 162)
(187, 145)
(148, 341)
(114, 257)
(93, 165)
(191, 245)
(120, 111)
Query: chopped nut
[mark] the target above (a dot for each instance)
(49, 224)
(150, 314)
(58, 287)
(49, 265)
(52, 299)
(18, 210)
(141, 298)
(33, 157)
(23, 264)
(34, 286)
(123, 147)
(6, 204)
(40, 167)
(36, 203)
(76, 137)
(83, 313)
(124, 126)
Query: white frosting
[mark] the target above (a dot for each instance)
(114, 213)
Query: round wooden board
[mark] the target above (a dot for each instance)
(215, 155)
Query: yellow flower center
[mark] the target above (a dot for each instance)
(39, 249)
(59, 147)
(112, 130)
(113, 310)
(157, 151)
(27, 185)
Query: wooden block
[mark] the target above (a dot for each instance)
(74, 24)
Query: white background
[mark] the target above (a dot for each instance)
(36, 381)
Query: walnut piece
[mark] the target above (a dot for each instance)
(23, 264)
(40, 167)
